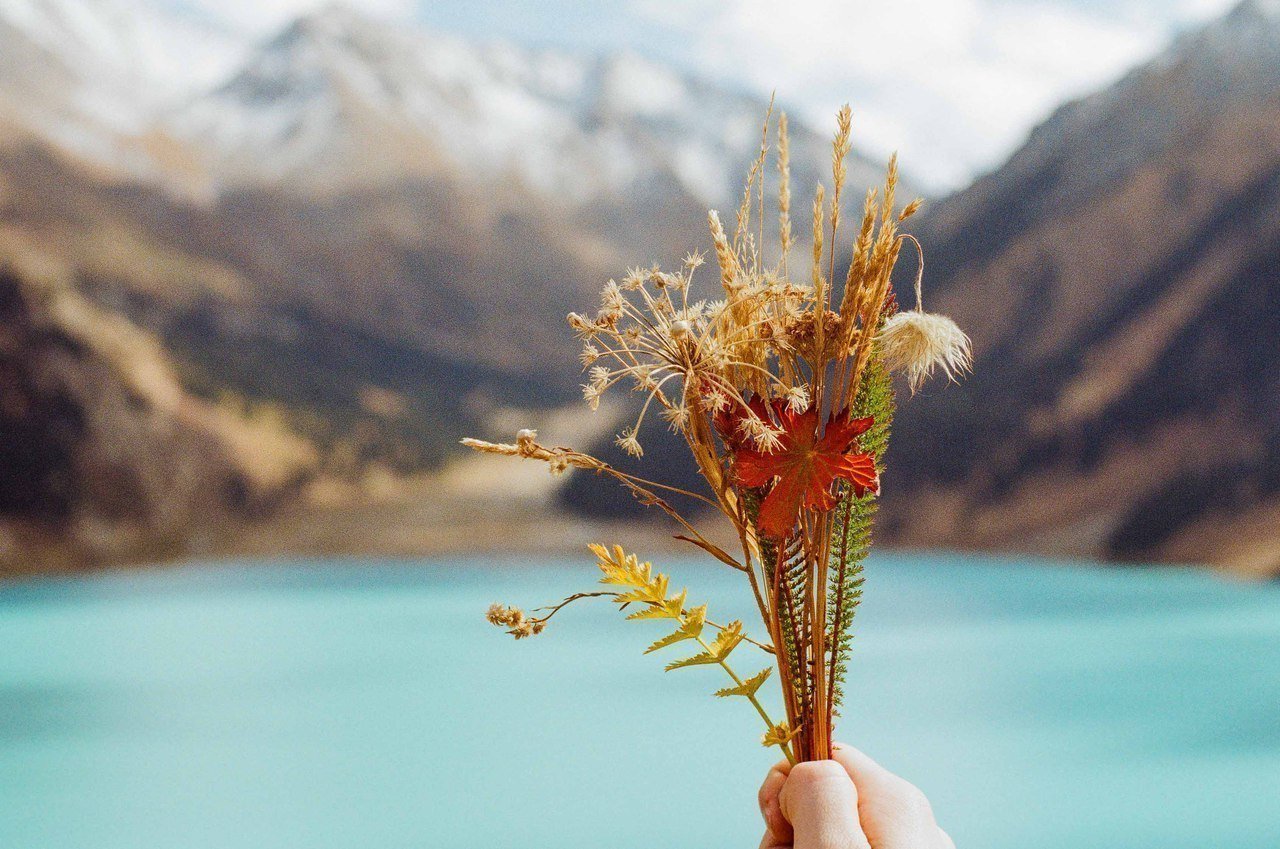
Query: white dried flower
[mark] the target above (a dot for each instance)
(916, 342)
(798, 398)
(611, 297)
(526, 441)
(582, 324)
(627, 442)
(681, 329)
(677, 417)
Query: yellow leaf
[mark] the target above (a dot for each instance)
(701, 659)
(727, 640)
(749, 687)
(671, 608)
(622, 569)
(778, 735)
(689, 630)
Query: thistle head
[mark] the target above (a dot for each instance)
(916, 342)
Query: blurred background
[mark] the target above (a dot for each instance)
(262, 264)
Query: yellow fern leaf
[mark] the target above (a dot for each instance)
(690, 629)
(778, 735)
(700, 659)
(670, 608)
(727, 640)
(749, 687)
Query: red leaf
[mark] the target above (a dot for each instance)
(728, 422)
(805, 467)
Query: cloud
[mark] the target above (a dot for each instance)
(258, 17)
(953, 85)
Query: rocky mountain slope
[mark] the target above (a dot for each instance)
(364, 235)
(1120, 277)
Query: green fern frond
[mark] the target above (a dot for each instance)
(853, 520)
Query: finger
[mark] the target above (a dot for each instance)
(821, 803)
(894, 813)
(777, 829)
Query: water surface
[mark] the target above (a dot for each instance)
(367, 705)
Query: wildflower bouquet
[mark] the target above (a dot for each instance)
(782, 390)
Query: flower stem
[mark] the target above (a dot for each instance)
(769, 724)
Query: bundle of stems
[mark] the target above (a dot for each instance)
(782, 389)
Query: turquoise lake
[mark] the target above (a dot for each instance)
(367, 705)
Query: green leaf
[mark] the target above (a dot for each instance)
(749, 687)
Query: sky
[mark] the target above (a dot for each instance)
(953, 85)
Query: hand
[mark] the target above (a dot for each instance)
(849, 802)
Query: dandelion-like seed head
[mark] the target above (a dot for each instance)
(714, 401)
(916, 342)
(611, 296)
(627, 442)
(677, 417)
(797, 398)
(582, 325)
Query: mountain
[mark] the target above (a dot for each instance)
(339, 99)
(356, 239)
(1120, 277)
(105, 455)
(90, 76)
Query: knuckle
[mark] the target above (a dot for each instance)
(912, 800)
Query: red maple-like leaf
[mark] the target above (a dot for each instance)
(728, 421)
(805, 466)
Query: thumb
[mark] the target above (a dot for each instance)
(820, 801)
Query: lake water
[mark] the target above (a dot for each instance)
(366, 705)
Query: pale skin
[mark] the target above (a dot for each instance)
(849, 802)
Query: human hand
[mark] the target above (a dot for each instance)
(849, 802)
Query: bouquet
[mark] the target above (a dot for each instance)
(782, 388)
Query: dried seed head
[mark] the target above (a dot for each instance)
(916, 343)
(627, 442)
(798, 398)
(526, 440)
(501, 614)
(680, 329)
(677, 417)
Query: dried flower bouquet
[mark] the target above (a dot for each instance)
(782, 390)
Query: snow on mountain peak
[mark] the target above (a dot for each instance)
(335, 87)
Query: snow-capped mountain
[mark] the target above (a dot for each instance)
(338, 98)
(92, 76)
